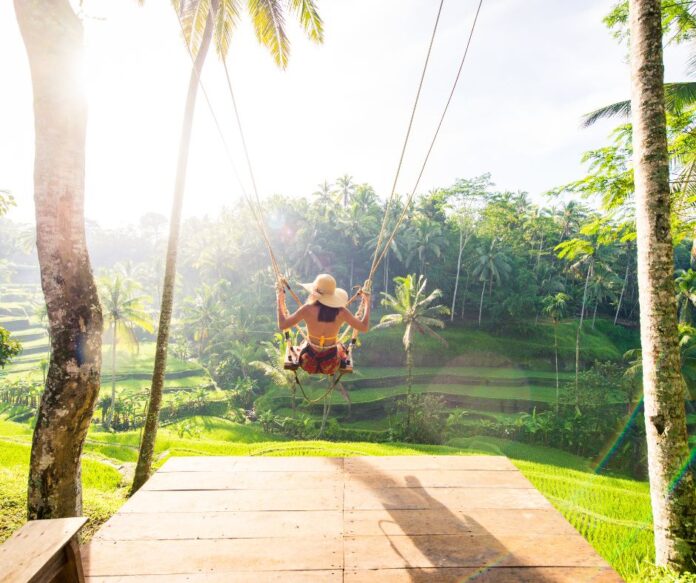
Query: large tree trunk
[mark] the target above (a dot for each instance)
(147, 446)
(52, 35)
(672, 483)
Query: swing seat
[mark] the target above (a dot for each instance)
(312, 361)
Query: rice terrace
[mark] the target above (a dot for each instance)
(319, 291)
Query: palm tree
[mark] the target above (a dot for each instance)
(345, 188)
(201, 20)
(629, 254)
(426, 239)
(601, 289)
(685, 283)
(554, 308)
(203, 312)
(463, 221)
(53, 38)
(673, 491)
(124, 314)
(569, 218)
(413, 310)
(491, 266)
(356, 226)
(582, 254)
(324, 197)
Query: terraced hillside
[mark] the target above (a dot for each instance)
(20, 314)
(505, 384)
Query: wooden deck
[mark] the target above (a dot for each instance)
(355, 520)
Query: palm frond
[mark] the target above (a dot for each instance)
(309, 18)
(619, 109)
(678, 96)
(226, 20)
(430, 332)
(269, 25)
(431, 322)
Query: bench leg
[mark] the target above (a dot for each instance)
(72, 571)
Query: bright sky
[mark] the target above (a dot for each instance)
(342, 107)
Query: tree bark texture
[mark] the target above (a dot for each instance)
(147, 445)
(53, 38)
(672, 484)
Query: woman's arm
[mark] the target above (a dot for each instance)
(362, 324)
(286, 321)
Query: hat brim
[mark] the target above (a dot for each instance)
(338, 299)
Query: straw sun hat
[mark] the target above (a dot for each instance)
(323, 290)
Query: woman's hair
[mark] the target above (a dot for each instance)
(326, 313)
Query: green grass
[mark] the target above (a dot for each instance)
(497, 373)
(103, 493)
(374, 394)
(533, 347)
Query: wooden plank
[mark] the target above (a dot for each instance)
(229, 577)
(368, 465)
(233, 500)
(198, 464)
(504, 521)
(102, 558)
(494, 575)
(252, 463)
(253, 480)
(475, 462)
(291, 464)
(451, 498)
(218, 525)
(398, 552)
(34, 545)
(440, 479)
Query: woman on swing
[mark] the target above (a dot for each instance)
(324, 313)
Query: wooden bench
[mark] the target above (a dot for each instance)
(43, 551)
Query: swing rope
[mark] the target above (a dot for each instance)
(435, 135)
(392, 195)
(256, 207)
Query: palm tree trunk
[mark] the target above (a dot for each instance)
(541, 246)
(483, 291)
(53, 38)
(672, 487)
(409, 386)
(147, 445)
(456, 279)
(112, 408)
(594, 313)
(352, 266)
(555, 349)
(325, 415)
(466, 289)
(623, 290)
(577, 336)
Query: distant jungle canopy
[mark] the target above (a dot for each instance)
(500, 253)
